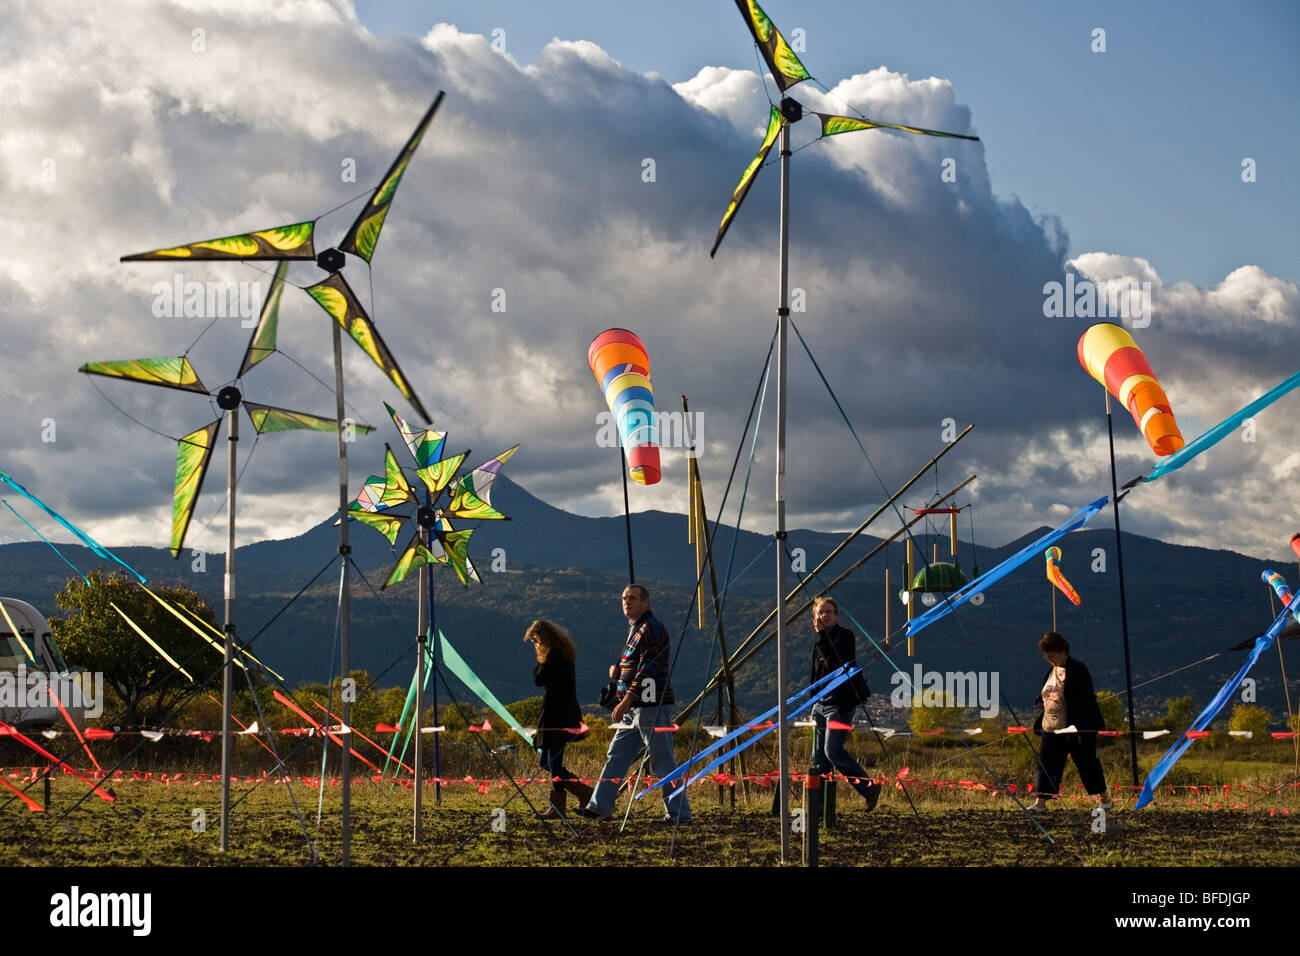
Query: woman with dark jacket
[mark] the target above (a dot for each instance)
(561, 717)
(1067, 699)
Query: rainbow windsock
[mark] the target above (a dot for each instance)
(1110, 355)
(1283, 592)
(622, 367)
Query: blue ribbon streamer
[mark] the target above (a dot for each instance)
(1216, 434)
(759, 736)
(960, 597)
(1262, 644)
(822, 685)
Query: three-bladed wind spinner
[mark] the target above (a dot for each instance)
(195, 449)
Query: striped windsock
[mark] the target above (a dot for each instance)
(1110, 355)
(622, 367)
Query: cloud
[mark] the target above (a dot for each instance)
(922, 298)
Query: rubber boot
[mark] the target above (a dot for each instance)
(579, 790)
(556, 810)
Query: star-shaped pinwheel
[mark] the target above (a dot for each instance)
(435, 541)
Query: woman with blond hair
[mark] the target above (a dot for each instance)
(561, 717)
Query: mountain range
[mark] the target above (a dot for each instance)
(1184, 604)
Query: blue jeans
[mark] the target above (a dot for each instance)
(623, 750)
(552, 758)
(828, 746)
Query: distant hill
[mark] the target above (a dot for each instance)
(1184, 604)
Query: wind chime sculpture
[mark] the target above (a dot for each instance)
(296, 242)
(787, 71)
(434, 541)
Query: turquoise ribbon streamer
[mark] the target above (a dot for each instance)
(960, 597)
(84, 538)
(1262, 644)
(46, 540)
(821, 685)
(1216, 434)
(456, 664)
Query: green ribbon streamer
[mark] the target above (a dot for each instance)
(456, 664)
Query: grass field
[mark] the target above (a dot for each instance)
(1255, 821)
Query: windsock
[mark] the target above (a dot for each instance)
(1283, 592)
(1278, 583)
(622, 367)
(1110, 355)
(1053, 555)
(1295, 543)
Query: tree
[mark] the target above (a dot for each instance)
(1254, 719)
(1112, 710)
(95, 637)
(1178, 715)
(950, 717)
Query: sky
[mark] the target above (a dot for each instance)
(573, 180)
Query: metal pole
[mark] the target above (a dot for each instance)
(783, 319)
(345, 606)
(627, 520)
(743, 647)
(422, 630)
(433, 663)
(232, 436)
(1123, 601)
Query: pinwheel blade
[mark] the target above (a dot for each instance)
(364, 234)
(425, 443)
(456, 545)
(439, 474)
(472, 496)
(262, 342)
(268, 418)
(293, 241)
(781, 60)
(834, 125)
(415, 556)
(193, 454)
(336, 297)
(747, 178)
(387, 525)
(172, 372)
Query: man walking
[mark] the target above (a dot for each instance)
(642, 692)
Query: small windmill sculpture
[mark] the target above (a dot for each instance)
(787, 71)
(195, 450)
(434, 541)
(296, 242)
(194, 453)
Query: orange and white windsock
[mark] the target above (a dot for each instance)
(1295, 543)
(1053, 555)
(1110, 355)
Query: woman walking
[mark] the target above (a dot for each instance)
(1067, 700)
(561, 717)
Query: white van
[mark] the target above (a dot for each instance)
(26, 688)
